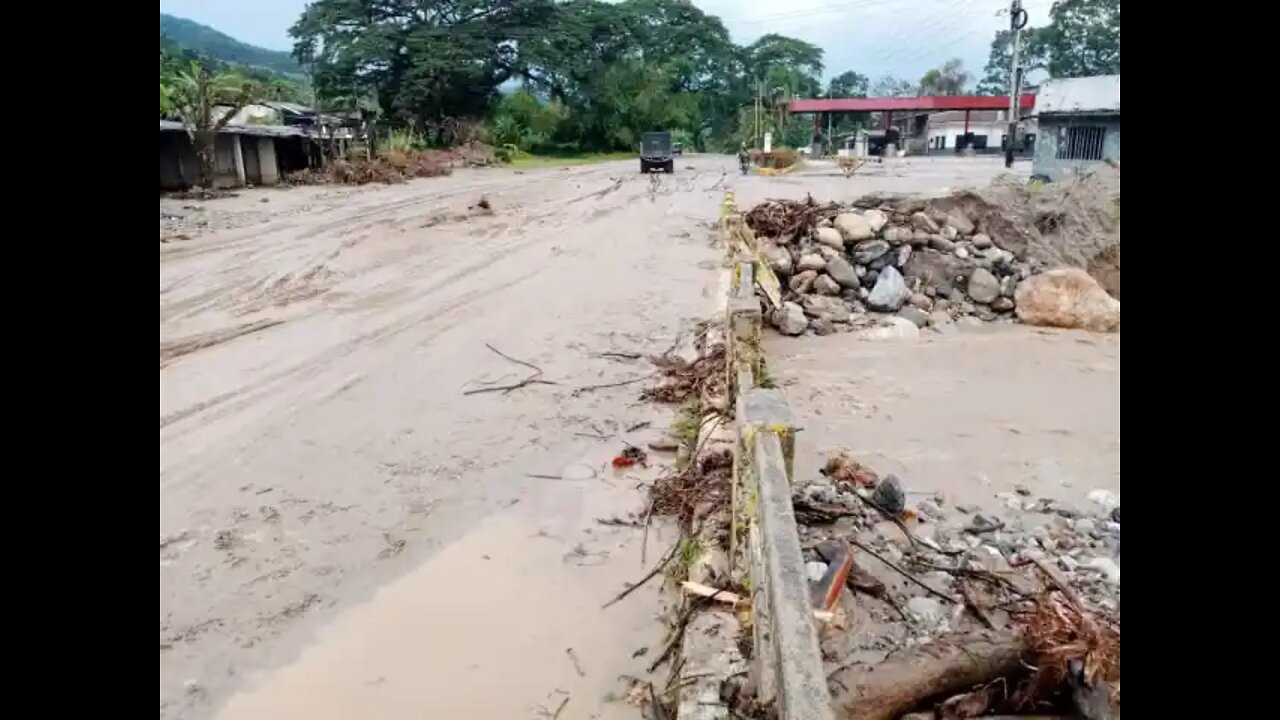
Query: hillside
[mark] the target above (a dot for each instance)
(205, 40)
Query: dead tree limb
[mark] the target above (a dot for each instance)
(533, 379)
(894, 566)
(900, 684)
(648, 576)
(592, 388)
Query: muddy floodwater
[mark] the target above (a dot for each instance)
(344, 531)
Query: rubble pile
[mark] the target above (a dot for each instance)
(932, 262)
(926, 266)
(1037, 576)
(394, 167)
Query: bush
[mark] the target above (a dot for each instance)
(778, 159)
(506, 153)
(401, 141)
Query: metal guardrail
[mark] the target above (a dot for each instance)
(764, 540)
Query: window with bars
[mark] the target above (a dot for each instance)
(1081, 142)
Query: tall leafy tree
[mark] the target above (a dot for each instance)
(424, 60)
(950, 79)
(1083, 38)
(848, 84)
(1031, 56)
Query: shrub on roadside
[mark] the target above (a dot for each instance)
(778, 159)
(391, 166)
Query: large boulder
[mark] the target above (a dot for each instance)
(924, 222)
(869, 250)
(802, 281)
(824, 285)
(777, 257)
(789, 319)
(889, 292)
(821, 306)
(811, 261)
(842, 272)
(853, 227)
(936, 269)
(829, 237)
(875, 219)
(938, 242)
(983, 286)
(1067, 298)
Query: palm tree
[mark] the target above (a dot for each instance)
(193, 97)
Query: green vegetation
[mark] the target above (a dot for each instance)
(206, 41)
(1081, 39)
(525, 160)
(690, 549)
(196, 97)
(578, 80)
(687, 423)
(592, 76)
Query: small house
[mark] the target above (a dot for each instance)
(243, 154)
(1079, 125)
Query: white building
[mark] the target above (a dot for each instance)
(946, 129)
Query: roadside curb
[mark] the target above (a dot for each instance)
(764, 541)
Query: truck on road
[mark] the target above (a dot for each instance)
(655, 152)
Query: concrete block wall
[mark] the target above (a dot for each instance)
(764, 540)
(1046, 161)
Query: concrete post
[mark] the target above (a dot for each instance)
(237, 157)
(268, 166)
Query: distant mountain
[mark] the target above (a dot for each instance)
(206, 41)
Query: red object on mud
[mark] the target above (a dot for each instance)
(623, 461)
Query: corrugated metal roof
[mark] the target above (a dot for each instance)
(260, 130)
(1098, 94)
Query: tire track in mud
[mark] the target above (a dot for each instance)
(174, 349)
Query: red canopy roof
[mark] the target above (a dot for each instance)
(894, 104)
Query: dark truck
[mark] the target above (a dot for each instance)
(655, 152)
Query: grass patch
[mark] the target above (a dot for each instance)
(687, 424)
(690, 550)
(766, 379)
(525, 161)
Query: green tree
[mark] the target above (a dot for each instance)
(205, 103)
(424, 61)
(848, 84)
(950, 79)
(1083, 38)
(522, 120)
(1031, 56)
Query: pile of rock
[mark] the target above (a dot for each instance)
(931, 265)
(1082, 544)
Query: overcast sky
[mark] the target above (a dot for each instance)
(875, 37)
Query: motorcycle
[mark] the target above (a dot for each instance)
(744, 164)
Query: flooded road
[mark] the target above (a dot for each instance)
(344, 529)
(317, 441)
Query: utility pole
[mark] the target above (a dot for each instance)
(1017, 21)
(757, 140)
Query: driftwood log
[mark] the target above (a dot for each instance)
(901, 683)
